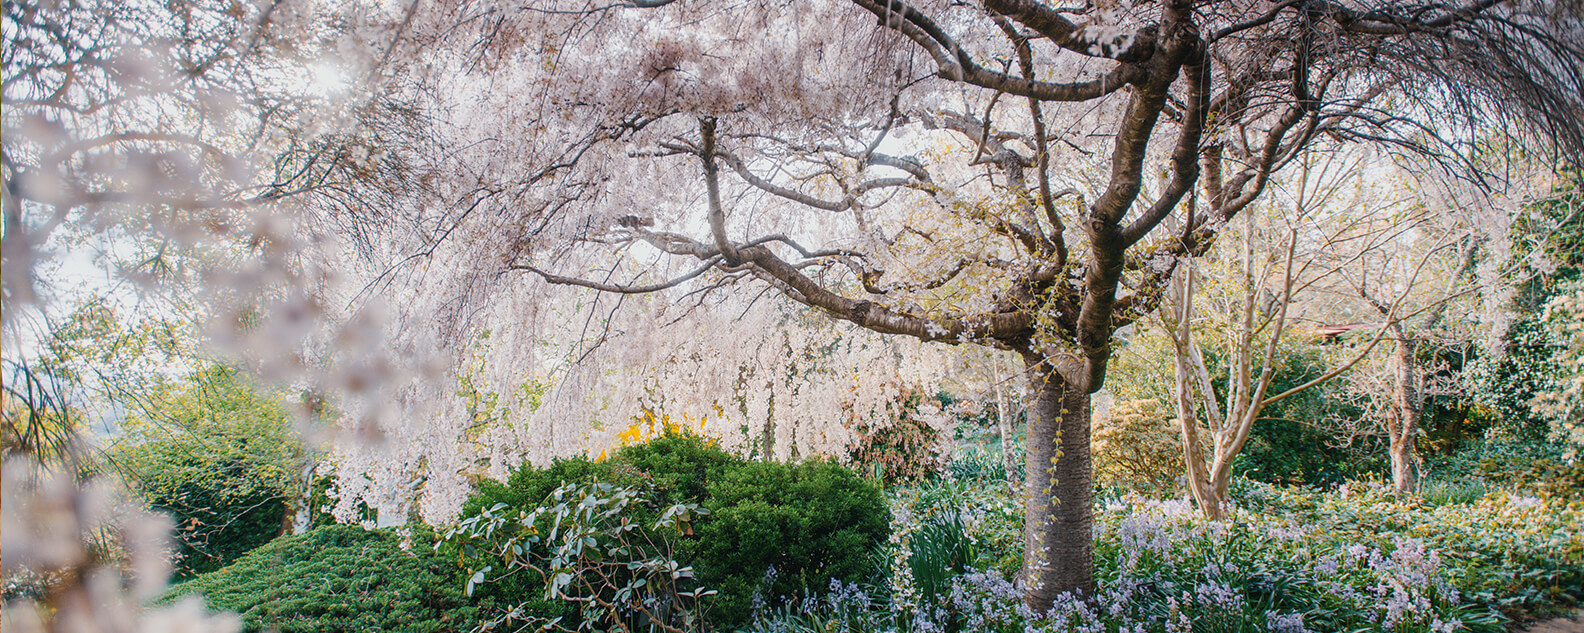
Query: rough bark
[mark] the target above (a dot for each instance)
(1406, 408)
(1057, 550)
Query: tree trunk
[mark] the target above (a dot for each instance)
(1004, 425)
(1197, 473)
(1402, 421)
(1057, 552)
(289, 513)
(1405, 478)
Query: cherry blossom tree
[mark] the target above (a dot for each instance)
(993, 174)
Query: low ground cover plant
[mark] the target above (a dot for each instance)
(334, 579)
(585, 552)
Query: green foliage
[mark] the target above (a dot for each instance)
(525, 489)
(584, 546)
(1287, 444)
(1506, 382)
(45, 431)
(89, 360)
(1286, 451)
(1141, 368)
(944, 527)
(1510, 556)
(334, 579)
(680, 465)
(1436, 491)
(1553, 230)
(803, 521)
(1561, 402)
(220, 456)
(528, 485)
(983, 464)
(93, 345)
(939, 550)
(808, 522)
(1534, 359)
(1355, 559)
(1516, 467)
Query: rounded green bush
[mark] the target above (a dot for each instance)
(772, 530)
(337, 578)
(808, 522)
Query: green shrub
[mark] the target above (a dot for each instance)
(1436, 491)
(215, 526)
(1287, 444)
(525, 489)
(337, 578)
(680, 466)
(527, 486)
(809, 522)
(902, 443)
(1533, 358)
(1286, 451)
(1519, 467)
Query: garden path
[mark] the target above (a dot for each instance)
(1573, 624)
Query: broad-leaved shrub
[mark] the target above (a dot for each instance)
(904, 443)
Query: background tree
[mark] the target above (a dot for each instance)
(1407, 328)
(1350, 233)
(1546, 239)
(222, 457)
(1262, 281)
(134, 123)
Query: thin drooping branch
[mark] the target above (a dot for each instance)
(709, 263)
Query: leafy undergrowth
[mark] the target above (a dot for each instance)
(1521, 556)
(1353, 559)
(769, 529)
(1290, 560)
